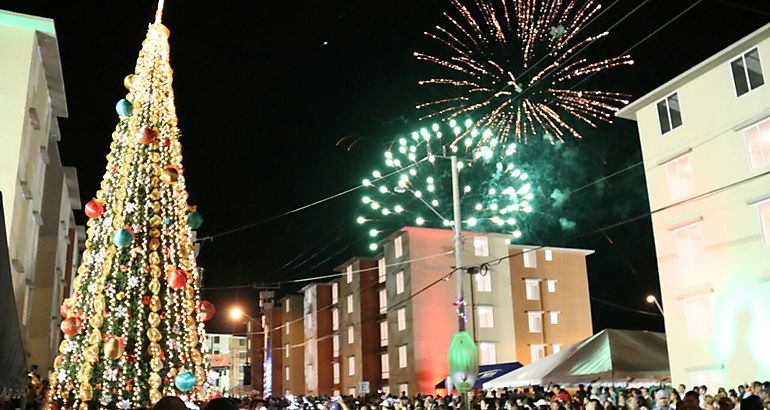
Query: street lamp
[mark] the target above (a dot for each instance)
(237, 313)
(652, 299)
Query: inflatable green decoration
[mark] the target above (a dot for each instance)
(463, 361)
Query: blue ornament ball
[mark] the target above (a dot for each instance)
(124, 108)
(122, 238)
(194, 220)
(184, 381)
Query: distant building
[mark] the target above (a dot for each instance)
(39, 193)
(318, 339)
(705, 138)
(528, 305)
(292, 327)
(227, 356)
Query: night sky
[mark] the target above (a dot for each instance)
(265, 90)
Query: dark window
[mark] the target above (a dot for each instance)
(669, 113)
(216, 339)
(747, 72)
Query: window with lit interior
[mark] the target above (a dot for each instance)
(689, 243)
(481, 246)
(486, 317)
(680, 177)
(532, 289)
(535, 321)
(487, 353)
(764, 220)
(758, 144)
(483, 282)
(699, 315)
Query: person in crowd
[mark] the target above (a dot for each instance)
(691, 401)
(221, 403)
(682, 389)
(170, 403)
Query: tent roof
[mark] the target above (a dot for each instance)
(609, 356)
(487, 373)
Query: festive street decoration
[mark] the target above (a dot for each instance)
(194, 220)
(463, 361)
(207, 310)
(129, 331)
(414, 188)
(516, 66)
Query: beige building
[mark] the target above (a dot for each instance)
(39, 193)
(292, 328)
(705, 138)
(318, 339)
(356, 322)
(528, 305)
(227, 356)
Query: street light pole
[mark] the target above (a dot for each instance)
(458, 243)
(653, 299)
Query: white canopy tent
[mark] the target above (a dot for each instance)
(608, 357)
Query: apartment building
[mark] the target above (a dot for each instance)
(273, 382)
(227, 358)
(527, 304)
(318, 338)
(39, 193)
(705, 138)
(292, 371)
(356, 327)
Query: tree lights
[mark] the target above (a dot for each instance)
(133, 328)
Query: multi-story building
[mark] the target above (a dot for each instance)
(292, 371)
(356, 327)
(705, 138)
(527, 304)
(318, 339)
(227, 356)
(39, 193)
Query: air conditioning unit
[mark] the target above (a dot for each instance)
(25, 191)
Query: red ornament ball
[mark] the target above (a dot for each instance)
(94, 208)
(177, 279)
(70, 326)
(65, 308)
(207, 310)
(148, 135)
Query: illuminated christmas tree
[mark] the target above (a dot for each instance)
(133, 328)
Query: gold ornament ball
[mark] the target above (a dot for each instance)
(153, 318)
(154, 286)
(156, 364)
(155, 381)
(155, 395)
(155, 303)
(113, 348)
(169, 176)
(128, 81)
(196, 357)
(154, 334)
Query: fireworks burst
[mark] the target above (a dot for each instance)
(514, 64)
(415, 186)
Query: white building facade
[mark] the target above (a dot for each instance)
(227, 356)
(705, 138)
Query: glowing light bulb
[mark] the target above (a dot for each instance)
(510, 221)
(376, 174)
(434, 202)
(435, 127)
(472, 221)
(402, 141)
(467, 189)
(453, 148)
(431, 188)
(418, 194)
(415, 136)
(389, 162)
(385, 211)
(474, 133)
(419, 220)
(398, 209)
(478, 207)
(375, 206)
(460, 166)
(430, 180)
(412, 157)
(366, 182)
(388, 154)
(468, 142)
(360, 220)
(412, 172)
(424, 132)
(383, 189)
(452, 123)
(517, 234)
(457, 130)
(524, 176)
(373, 232)
(366, 199)
(516, 173)
(527, 209)
(373, 246)
(487, 133)
(397, 163)
(492, 191)
(402, 149)
(493, 207)
(431, 158)
(468, 123)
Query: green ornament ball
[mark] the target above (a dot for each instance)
(184, 381)
(194, 220)
(124, 108)
(122, 238)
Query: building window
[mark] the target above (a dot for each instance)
(556, 347)
(711, 378)
(764, 220)
(398, 247)
(288, 327)
(216, 339)
(336, 371)
(404, 388)
(532, 289)
(551, 283)
(402, 319)
(536, 352)
(481, 246)
(530, 258)
(484, 282)
(287, 349)
(669, 113)
(680, 177)
(385, 365)
(548, 255)
(384, 333)
(689, 243)
(288, 305)
(487, 353)
(335, 319)
(352, 391)
(400, 283)
(351, 366)
(381, 270)
(698, 312)
(350, 303)
(402, 356)
(286, 372)
(386, 390)
(383, 301)
(747, 72)
(758, 144)
(335, 292)
(554, 317)
(535, 320)
(336, 345)
(351, 335)
(349, 273)
(486, 317)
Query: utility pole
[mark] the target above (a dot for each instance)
(458, 243)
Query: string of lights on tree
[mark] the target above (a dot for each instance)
(514, 65)
(133, 329)
(414, 187)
